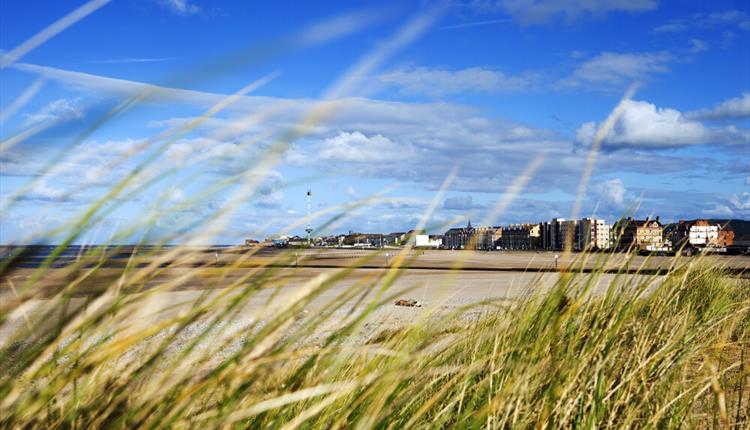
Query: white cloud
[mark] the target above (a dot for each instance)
(176, 195)
(738, 107)
(59, 110)
(540, 11)
(610, 70)
(741, 202)
(42, 191)
(101, 85)
(181, 7)
(722, 20)
(736, 206)
(438, 82)
(356, 147)
(132, 60)
(644, 125)
(719, 210)
(611, 192)
(412, 142)
(193, 150)
(698, 45)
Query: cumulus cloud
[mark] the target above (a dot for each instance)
(736, 206)
(610, 70)
(611, 192)
(541, 11)
(194, 150)
(644, 125)
(93, 162)
(737, 107)
(440, 82)
(356, 147)
(719, 210)
(181, 7)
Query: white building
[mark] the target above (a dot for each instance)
(427, 241)
(603, 237)
(703, 234)
(593, 232)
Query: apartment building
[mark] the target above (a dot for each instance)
(520, 236)
(458, 237)
(699, 234)
(640, 234)
(593, 233)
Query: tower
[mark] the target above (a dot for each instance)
(309, 216)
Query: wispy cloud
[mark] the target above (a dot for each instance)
(734, 19)
(181, 7)
(475, 24)
(121, 87)
(414, 142)
(441, 82)
(542, 11)
(129, 60)
(614, 71)
(56, 111)
(697, 45)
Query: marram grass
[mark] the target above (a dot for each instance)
(651, 352)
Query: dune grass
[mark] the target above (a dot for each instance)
(666, 352)
(82, 348)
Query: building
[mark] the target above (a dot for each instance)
(545, 234)
(699, 234)
(520, 237)
(592, 233)
(553, 234)
(364, 240)
(393, 239)
(644, 235)
(486, 237)
(603, 239)
(726, 237)
(458, 237)
(428, 241)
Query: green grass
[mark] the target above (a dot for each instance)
(669, 353)
(650, 352)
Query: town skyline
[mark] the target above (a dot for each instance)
(558, 234)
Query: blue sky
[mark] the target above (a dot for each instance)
(400, 94)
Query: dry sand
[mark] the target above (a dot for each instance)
(441, 290)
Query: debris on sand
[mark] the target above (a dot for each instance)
(408, 302)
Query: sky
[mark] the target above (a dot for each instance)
(207, 121)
